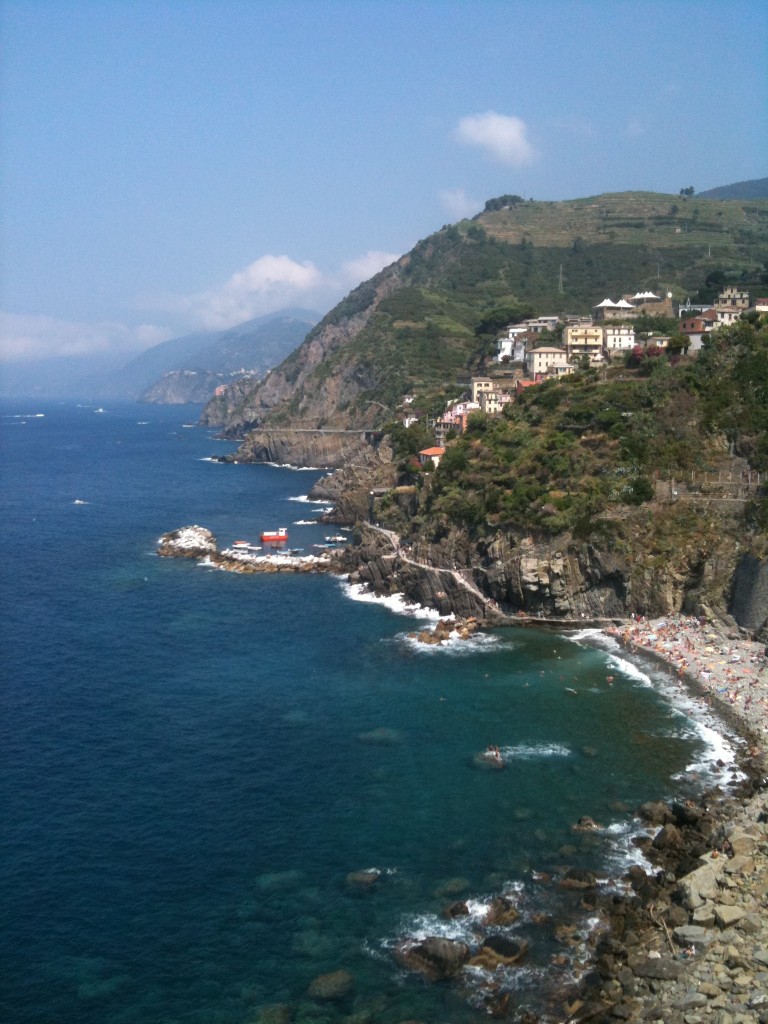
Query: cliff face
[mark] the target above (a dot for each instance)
(307, 448)
(562, 578)
(749, 600)
(300, 392)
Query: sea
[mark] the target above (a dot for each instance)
(193, 763)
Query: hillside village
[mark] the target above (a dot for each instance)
(546, 347)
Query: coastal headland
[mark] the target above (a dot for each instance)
(685, 941)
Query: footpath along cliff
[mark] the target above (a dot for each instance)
(566, 579)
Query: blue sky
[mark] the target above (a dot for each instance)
(173, 166)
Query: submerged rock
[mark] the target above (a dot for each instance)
(501, 912)
(329, 988)
(498, 950)
(363, 879)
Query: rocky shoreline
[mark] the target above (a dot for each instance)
(689, 944)
(685, 942)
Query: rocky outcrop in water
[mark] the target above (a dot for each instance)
(187, 542)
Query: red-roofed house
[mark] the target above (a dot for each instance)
(433, 455)
(695, 327)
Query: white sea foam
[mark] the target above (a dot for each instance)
(296, 469)
(24, 416)
(395, 602)
(621, 853)
(454, 645)
(305, 522)
(210, 458)
(526, 752)
(619, 664)
(589, 633)
(718, 761)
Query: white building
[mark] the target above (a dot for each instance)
(618, 338)
(512, 346)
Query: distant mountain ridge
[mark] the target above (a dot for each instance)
(199, 362)
(213, 357)
(755, 188)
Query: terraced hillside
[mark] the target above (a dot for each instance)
(726, 230)
(417, 325)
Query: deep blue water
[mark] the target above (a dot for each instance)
(192, 762)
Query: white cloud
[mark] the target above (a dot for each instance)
(458, 204)
(502, 136)
(363, 267)
(264, 286)
(267, 285)
(26, 338)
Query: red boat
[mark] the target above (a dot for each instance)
(278, 536)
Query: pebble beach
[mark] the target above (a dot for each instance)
(690, 945)
(726, 668)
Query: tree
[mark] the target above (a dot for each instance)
(499, 317)
(678, 343)
(408, 441)
(501, 202)
(687, 192)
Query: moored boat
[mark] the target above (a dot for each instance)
(279, 536)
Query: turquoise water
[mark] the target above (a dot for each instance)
(192, 761)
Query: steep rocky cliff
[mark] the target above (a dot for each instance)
(307, 448)
(301, 392)
(562, 578)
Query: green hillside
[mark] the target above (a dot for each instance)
(570, 450)
(640, 219)
(415, 326)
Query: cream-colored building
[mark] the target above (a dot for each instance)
(584, 341)
(539, 360)
(492, 402)
(480, 385)
(733, 297)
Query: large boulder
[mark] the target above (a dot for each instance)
(436, 959)
(187, 542)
